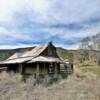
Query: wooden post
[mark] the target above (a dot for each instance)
(56, 70)
(20, 68)
(52, 70)
(37, 70)
(44, 69)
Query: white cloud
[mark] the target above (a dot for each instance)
(65, 11)
(69, 47)
(8, 7)
(5, 34)
(48, 12)
(73, 47)
(70, 34)
(51, 10)
(39, 6)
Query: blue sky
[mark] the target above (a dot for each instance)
(32, 22)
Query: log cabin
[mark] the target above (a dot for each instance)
(38, 61)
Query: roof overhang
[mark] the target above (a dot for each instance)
(16, 61)
(32, 60)
(45, 59)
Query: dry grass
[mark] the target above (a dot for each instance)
(77, 87)
(89, 67)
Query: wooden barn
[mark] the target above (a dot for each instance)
(38, 61)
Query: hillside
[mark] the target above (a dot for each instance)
(66, 54)
(4, 54)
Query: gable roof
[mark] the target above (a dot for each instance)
(35, 52)
(31, 55)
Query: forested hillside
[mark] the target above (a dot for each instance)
(4, 54)
(65, 54)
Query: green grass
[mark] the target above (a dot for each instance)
(93, 69)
